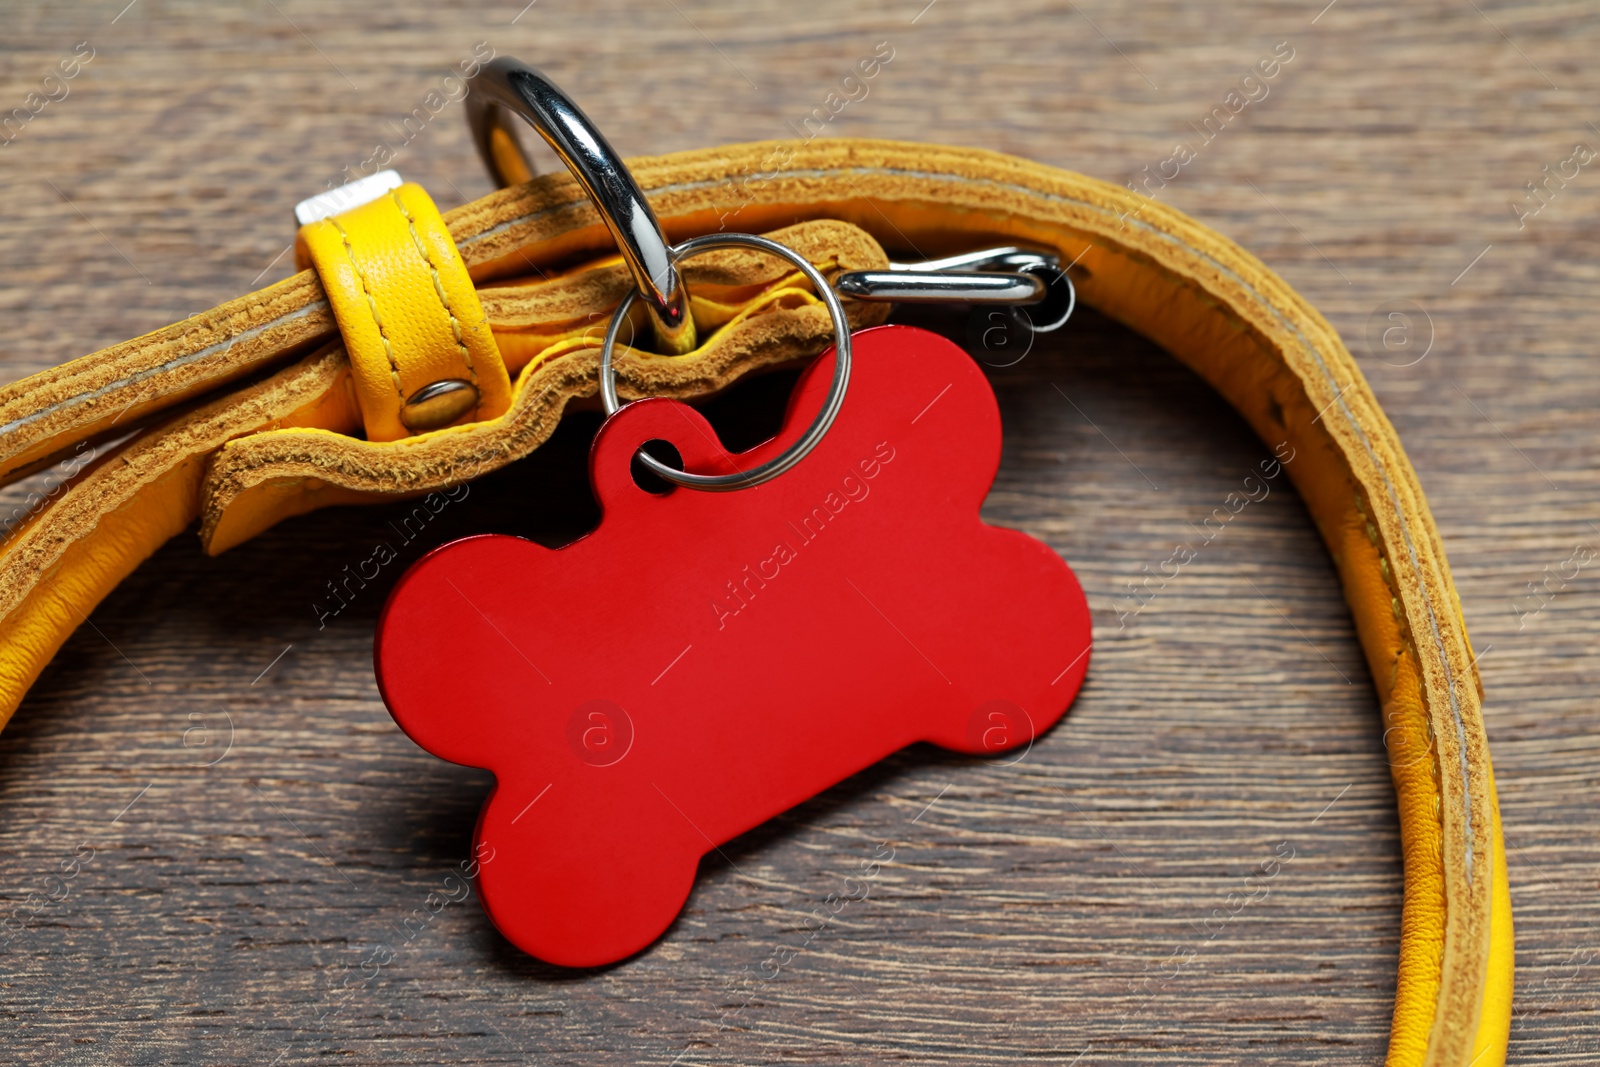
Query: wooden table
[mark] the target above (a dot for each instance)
(247, 827)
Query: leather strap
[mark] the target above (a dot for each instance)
(1210, 303)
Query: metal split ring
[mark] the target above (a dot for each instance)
(819, 425)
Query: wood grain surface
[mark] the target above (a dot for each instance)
(213, 833)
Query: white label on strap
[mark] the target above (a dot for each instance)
(347, 196)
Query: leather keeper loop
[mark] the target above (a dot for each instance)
(419, 342)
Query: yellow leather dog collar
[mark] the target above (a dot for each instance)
(286, 444)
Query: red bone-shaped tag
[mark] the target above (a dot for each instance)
(704, 661)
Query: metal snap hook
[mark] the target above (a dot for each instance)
(1032, 284)
(506, 86)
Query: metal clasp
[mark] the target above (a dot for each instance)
(1021, 278)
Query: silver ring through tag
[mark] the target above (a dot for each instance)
(819, 425)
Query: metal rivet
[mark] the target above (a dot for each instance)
(438, 404)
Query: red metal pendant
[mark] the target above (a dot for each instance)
(704, 661)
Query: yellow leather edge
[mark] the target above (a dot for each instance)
(406, 307)
(1456, 960)
(508, 156)
(1494, 1027)
(69, 553)
(46, 416)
